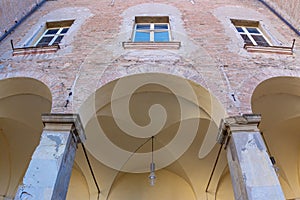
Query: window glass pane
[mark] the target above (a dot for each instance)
(239, 29)
(58, 39)
(160, 26)
(44, 41)
(260, 40)
(51, 31)
(246, 39)
(64, 30)
(143, 26)
(161, 36)
(142, 37)
(252, 30)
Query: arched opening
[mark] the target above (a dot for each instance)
(120, 118)
(277, 100)
(22, 101)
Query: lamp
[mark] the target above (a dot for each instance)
(152, 176)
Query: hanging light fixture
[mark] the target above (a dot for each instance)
(152, 177)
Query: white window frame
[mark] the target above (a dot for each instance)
(44, 28)
(55, 36)
(152, 31)
(246, 32)
(151, 21)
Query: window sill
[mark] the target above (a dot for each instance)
(151, 45)
(35, 50)
(269, 49)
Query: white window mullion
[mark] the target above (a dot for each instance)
(41, 37)
(53, 39)
(249, 36)
(55, 36)
(261, 34)
(152, 32)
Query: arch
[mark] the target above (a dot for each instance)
(178, 111)
(22, 101)
(277, 100)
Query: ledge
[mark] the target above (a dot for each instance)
(269, 49)
(65, 118)
(35, 50)
(151, 45)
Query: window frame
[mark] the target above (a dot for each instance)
(247, 24)
(151, 31)
(250, 35)
(151, 44)
(254, 46)
(54, 36)
(151, 21)
(50, 25)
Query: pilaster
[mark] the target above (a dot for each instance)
(252, 173)
(49, 171)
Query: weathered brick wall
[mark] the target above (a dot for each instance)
(211, 54)
(290, 10)
(12, 11)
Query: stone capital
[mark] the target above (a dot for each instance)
(245, 122)
(62, 121)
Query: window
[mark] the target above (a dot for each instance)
(255, 39)
(52, 34)
(251, 33)
(151, 29)
(151, 32)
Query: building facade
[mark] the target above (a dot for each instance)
(155, 72)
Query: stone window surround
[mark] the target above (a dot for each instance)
(279, 44)
(76, 14)
(153, 10)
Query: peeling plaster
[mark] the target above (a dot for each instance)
(56, 139)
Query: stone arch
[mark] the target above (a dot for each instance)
(151, 98)
(22, 101)
(277, 100)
